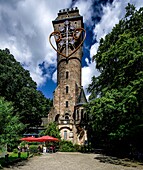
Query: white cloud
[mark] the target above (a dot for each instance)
(86, 10)
(87, 73)
(54, 77)
(25, 28)
(112, 13)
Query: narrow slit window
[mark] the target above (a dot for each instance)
(67, 103)
(67, 89)
(67, 74)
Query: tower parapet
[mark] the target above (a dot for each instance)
(68, 12)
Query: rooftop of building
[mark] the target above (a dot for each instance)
(82, 98)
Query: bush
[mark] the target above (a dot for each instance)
(23, 143)
(78, 147)
(67, 146)
(33, 149)
(33, 143)
(15, 150)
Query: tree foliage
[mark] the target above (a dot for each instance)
(10, 126)
(52, 130)
(17, 86)
(115, 107)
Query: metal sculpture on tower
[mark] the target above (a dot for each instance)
(68, 37)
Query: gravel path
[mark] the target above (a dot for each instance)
(74, 161)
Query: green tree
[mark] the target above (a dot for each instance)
(10, 126)
(52, 130)
(115, 107)
(17, 86)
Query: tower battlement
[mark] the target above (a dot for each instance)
(68, 10)
(68, 13)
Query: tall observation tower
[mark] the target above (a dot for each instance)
(68, 111)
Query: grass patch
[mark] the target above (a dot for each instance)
(12, 158)
(15, 155)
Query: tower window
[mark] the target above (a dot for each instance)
(67, 103)
(67, 74)
(77, 115)
(81, 113)
(67, 89)
(57, 118)
(65, 135)
(66, 116)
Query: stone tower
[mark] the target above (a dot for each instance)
(69, 97)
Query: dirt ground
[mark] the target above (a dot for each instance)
(75, 161)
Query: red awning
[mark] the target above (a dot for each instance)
(40, 139)
(29, 139)
(47, 138)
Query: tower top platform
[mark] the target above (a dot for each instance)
(68, 13)
(68, 10)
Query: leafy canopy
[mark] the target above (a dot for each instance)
(17, 86)
(52, 130)
(115, 107)
(10, 126)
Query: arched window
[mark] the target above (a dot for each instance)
(65, 135)
(57, 118)
(66, 116)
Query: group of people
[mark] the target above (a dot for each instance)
(50, 149)
(23, 149)
(44, 149)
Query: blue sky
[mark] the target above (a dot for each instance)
(27, 24)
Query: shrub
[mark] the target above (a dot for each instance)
(33, 149)
(67, 146)
(33, 143)
(23, 143)
(77, 147)
(15, 150)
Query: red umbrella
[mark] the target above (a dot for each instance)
(47, 138)
(30, 139)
